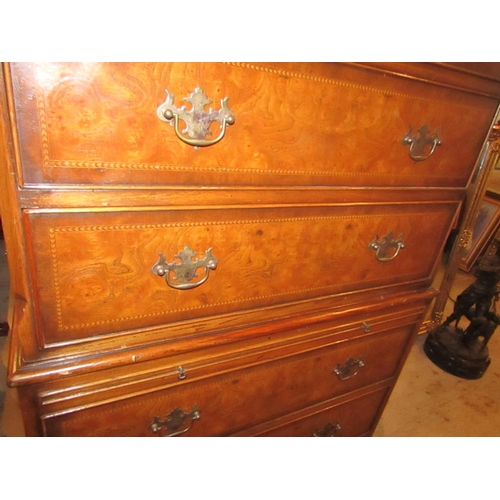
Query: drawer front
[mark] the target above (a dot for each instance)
(234, 400)
(354, 417)
(93, 271)
(306, 124)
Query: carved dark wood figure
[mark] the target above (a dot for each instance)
(464, 352)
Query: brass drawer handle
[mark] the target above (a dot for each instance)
(197, 120)
(329, 430)
(181, 373)
(349, 369)
(387, 248)
(174, 420)
(421, 146)
(185, 270)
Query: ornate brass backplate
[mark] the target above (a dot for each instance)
(196, 119)
(387, 248)
(349, 369)
(185, 270)
(171, 426)
(421, 146)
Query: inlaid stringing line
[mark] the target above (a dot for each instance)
(48, 163)
(122, 227)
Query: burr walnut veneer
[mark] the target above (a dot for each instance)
(259, 268)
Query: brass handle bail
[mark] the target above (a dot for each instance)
(387, 248)
(197, 119)
(421, 146)
(185, 270)
(330, 430)
(349, 369)
(174, 420)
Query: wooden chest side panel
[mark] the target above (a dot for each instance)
(93, 270)
(322, 124)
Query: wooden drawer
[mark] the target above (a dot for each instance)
(93, 271)
(271, 385)
(347, 416)
(305, 124)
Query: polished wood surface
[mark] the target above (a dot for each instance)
(90, 123)
(266, 382)
(93, 271)
(312, 171)
(348, 416)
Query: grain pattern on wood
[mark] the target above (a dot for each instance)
(295, 203)
(230, 402)
(94, 274)
(327, 125)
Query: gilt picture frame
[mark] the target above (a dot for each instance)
(487, 223)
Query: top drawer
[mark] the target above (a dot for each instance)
(302, 124)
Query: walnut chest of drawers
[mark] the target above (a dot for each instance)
(254, 266)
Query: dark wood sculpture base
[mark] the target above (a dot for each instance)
(445, 348)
